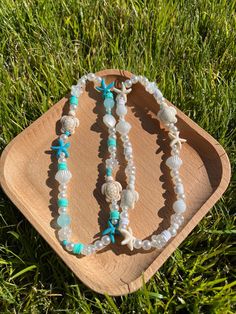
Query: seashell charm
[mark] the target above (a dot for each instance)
(128, 198)
(63, 176)
(112, 190)
(69, 123)
(174, 162)
(167, 114)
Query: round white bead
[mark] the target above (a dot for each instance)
(64, 137)
(109, 120)
(91, 76)
(70, 247)
(62, 210)
(172, 231)
(138, 244)
(134, 79)
(123, 127)
(128, 150)
(158, 95)
(128, 83)
(124, 215)
(64, 233)
(98, 244)
(179, 206)
(146, 245)
(106, 240)
(150, 87)
(179, 188)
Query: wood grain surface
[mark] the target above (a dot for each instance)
(28, 167)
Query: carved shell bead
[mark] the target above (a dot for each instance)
(63, 176)
(174, 162)
(69, 123)
(112, 190)
(167, 115)
(128, 198)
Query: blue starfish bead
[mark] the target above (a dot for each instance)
(105, 89)
(111, 231)
(61, 148)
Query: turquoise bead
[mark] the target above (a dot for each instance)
(111, 142)
(74, 100)
(63, 220)
(62, 202)
(108, 172)
(114, 214)
(78, 247)
(67, 133)
(109, 103)
(62, 166)
(65, 242)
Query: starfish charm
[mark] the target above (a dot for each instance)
(176, 140)
(61, 148)
(111, 231)
(129, 238)
(123, 91)
(105, 89)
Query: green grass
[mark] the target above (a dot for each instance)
(189, 48)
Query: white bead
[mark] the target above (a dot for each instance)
(123, 127)
(91, 76)
(128, 83)
(62, 195)
(172, 231)
(179, 206)
(62, 210)
(125, 208)
(76, 90)
(106, 240)
(138, 244)
(125, 138)
(112, 130)
(82, 81)
(120, 102)
(128, 150)
(98, 244)
(63, 176)
(146, 245)
(123, 226)
(114, 221)
(72, 113)
(166, 235)
(158, 95)
(64, 137)
(109, 120)
(150, 87)
(179, 188)
(111, 163)
(114, 207)
(178, 219)
(61, 159)
(159, 241)
(121, 110)
(124, 221)
(62, 187)
(64, 233)
(181, 196)
(124, 215)
(174, 162)
(134, 79)
(112, 149)
(128, 157)
(70, 247)
(98, 79)
(174, 173)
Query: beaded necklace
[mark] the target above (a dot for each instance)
(118, 223)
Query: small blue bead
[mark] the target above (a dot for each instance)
(109, 95)
(109, 103)
(62, 166)
(78, 247)
(63, 220)
(74, 100)
(114, 214)
(65, 242)
(111, 142)
(108, 172)
(67, 133)
(62, 202)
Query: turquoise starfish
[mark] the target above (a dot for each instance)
(105, 89)
(111, 231)
(61, 148)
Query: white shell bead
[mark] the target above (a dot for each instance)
(179, 206)
(109, 120)
(63, 176)
(123, 127)
(174, 162)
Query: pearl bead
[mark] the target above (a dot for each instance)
(114, 221)
(64, 137)
(121, 110)
(172, 231)
(98, 79)
(128, 157)
(128, 150)
(159, 242)
(123, 226)
(174, 173)
(114, 207)
(62, 210)
(125, 138)
(91, 76)
(158, 95)
(106, 240)
(179, 188)
(109, 120)
(62, 187)
(82, 81)
(125, 208)
(92, 248)
(179, 206)
(138, 243)
(146, 245)
(70, 247)
(175, 226)
(62, 195)
(112, 149)
(150, 87)
(123, 127)
(98, 244)
(134, 79)
(76, 90)
(124, 221)
(131, 186)
(128, 83)
(181, 196)
(62, 155)
(124, 215)
(60, 159)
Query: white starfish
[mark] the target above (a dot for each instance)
(123, 91)
(176, 140)
(129, 238)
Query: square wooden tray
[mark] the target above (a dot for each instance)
(27, 176)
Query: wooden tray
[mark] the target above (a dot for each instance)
(27, 176)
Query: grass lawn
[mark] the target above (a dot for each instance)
(189, 48)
